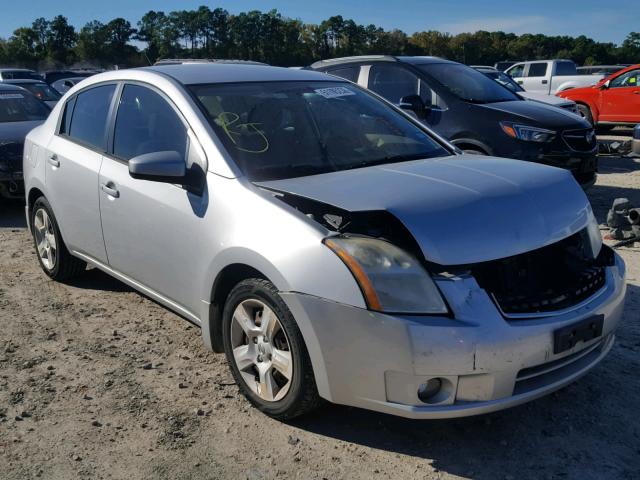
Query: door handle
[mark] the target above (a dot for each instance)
(53, 160)
(544, 82)
(110, 189)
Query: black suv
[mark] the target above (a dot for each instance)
(475, 113)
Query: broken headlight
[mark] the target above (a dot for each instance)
(391, 280)
(527, 133)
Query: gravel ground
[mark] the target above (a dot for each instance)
(97, 381)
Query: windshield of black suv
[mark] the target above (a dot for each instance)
(277, 130)
(505, 80)
(467, 83)
(16, 106)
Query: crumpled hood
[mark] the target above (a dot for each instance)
(460, 209)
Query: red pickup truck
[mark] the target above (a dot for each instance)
(615, 100)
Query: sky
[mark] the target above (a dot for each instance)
(598, 19)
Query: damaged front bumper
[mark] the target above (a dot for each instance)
(483, 361)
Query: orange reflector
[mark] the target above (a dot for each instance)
(370, 295)
(509, 131)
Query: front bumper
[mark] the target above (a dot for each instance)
(486, 363)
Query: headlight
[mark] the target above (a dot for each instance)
(391, 280)
(526, 133)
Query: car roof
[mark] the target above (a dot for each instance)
(414, 60)
(8, 87)
(200, 73)
(16, 70)
(18, 81)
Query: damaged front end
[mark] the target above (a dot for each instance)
(11, 181)
(538, 283)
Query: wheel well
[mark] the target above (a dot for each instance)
(34, 194)
(228, 278)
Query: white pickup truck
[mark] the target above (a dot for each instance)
(550, 76)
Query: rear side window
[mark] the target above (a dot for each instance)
(146, 123)
(348, 73)
(89, 119)
(568, 68)
(392, 82)
(537, 69)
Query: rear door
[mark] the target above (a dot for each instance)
(536, 77)
(74, 157)
(151, 228)
(621, 101)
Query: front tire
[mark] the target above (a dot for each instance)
(266, 351)
(54, 258)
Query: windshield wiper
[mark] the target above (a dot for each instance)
(277, 172)
(389, 159)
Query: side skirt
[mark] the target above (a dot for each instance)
(170, 304)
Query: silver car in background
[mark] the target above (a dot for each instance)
(333, 247)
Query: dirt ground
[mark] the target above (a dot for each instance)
(97, 381)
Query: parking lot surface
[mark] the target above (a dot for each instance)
(97, 381)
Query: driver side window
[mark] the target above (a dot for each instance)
(629, 79)
(146, 123)
(516, 71)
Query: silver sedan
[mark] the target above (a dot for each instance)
(332, 246)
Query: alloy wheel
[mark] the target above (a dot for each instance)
(261, 350)
(45, 239)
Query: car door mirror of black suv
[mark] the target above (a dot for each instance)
(415, 104)
(166, 166)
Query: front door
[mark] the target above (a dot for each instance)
(151, 228)
(621, 101)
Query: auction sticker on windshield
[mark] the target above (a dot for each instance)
(334, 92)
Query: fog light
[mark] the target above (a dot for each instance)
(428, 391)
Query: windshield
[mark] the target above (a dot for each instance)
(467, 83)
(505, 80)
(42, 91)
(279, 130)
(21, 107)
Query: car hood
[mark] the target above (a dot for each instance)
(538, 114)
(461, 209)
(576, 92)
(544, 98)
(11, 132)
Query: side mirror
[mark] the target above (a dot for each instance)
(167, 167)
(605, 85)
(415, 104)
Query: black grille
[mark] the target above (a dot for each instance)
(551, 278)
(580, 140)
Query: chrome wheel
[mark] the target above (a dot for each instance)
(261, 350)
(45, 239)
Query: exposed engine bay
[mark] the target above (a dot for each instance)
(547, 279)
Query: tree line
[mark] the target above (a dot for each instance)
(272, 38)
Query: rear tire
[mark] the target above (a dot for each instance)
(585, 112)
(55, 260)
(250, 350)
